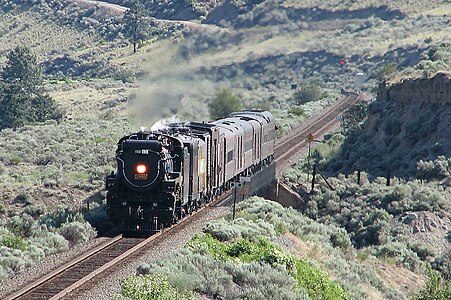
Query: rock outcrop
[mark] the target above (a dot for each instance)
(436, 90)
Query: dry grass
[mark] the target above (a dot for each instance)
(400, 278)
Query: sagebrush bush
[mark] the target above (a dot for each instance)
(77, 232)
(63, 154)
(50, 242)
(24, 240)
(240, 228)
(435, 288)
(442, 263)
(368, 210)
(223, 262)
(229, 280)
(22, 226)
(3, 209)
(155, 286)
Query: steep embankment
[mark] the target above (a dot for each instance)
(409, 122)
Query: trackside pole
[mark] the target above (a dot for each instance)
(234, 203)
(313, 178)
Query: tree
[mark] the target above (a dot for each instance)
(136, 21)
(22, 100)
(354, 116)
(307, 93)
(22, 68)
(224, 103)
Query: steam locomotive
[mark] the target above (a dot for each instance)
(166, 174)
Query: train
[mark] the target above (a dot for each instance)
(166, 174)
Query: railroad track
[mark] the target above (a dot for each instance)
(58, 283)
(93, 264)
(291, 144)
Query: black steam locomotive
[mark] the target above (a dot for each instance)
(164, 175)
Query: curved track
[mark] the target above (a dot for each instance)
(292, 143)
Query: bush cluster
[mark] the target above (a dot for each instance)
(239, 269)
(155, 286)
(308, 93)
(25, 240)
(68, 13)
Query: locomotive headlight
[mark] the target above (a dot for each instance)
(141, 169)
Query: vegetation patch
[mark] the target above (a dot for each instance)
(25, 240)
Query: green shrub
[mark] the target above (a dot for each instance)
(434, 169)
(155, 286)
(35, 211)
(23, 198)
(435, 288)
(23, 226)
(297, 111)
(143, 269)
(386, 71)
(224, 103)
(3, 209)
(442, 263)
(56, 218)
(317, 284)
(422, 250)
(340, 239)
(15, 159)
(308, 93)
(13, 242)
(77, 232)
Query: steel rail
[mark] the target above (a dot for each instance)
(61, 269)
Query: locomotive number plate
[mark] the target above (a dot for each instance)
(140, 176)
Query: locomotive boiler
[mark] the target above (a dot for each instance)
(164, 175)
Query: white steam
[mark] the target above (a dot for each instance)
(163, 123)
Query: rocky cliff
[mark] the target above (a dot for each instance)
(410, 121)
(436, 90)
